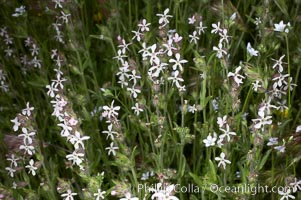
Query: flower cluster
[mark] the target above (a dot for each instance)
(64, 113)
(19, 11)
(111, 114)
(223, 139)
(23, 123)
(8, 42)
(33, 58)
(3, 84)
(62, 18)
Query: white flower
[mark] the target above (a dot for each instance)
(27, 149)
(58, 3)
(66, 129)
(76, 158)
(222, 121)
(286, 194)
(201, 28)
(191, 20)
(145, 176)
(27, 136)
(251, 50)
(220, 51)
(111, 149)
(31, 167)
(272, 141)
(77, 140)
(216, 28)
(137, 36)
(69, 195)
(16, 124)
(210, 141)
(155, 70)
(281, 27)
(64, 17)
(176, 38)
(110, 132)
(134, 91)
(8, 40)
(176, 79)
(13, 160)
(153, 55)
(27, 110)
(296, 185)
(124, 46)
(163, 193)
(51, 90)
(11, 171)
(256, 85)
(143, 27)
(222, 161)
(99, 194)
(110, 111)
(298, 129)
(19, 11)
(137, 109)
(120, 56)
(192, 109)
(280, 148)
(128, 196)
(34, 50)
(133, 77)
(266, 107)
(227, 132)
(58, 82)
(279, 63)
(280, 80)
(262, 121)
(169, 47)
(237, 77)
(224, 36)
(164, 18)
(194, 37)
(177, 63)
(233, 16)
(257, 21)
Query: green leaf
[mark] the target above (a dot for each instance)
(264, 159)
(212, 172)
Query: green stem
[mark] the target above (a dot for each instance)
(247, 99)
(289, 72)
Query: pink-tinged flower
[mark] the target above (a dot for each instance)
(111, 112)
(143, 27)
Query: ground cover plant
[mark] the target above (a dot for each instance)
(179, 99)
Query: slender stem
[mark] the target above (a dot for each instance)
(247, 99)
(289, 72)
